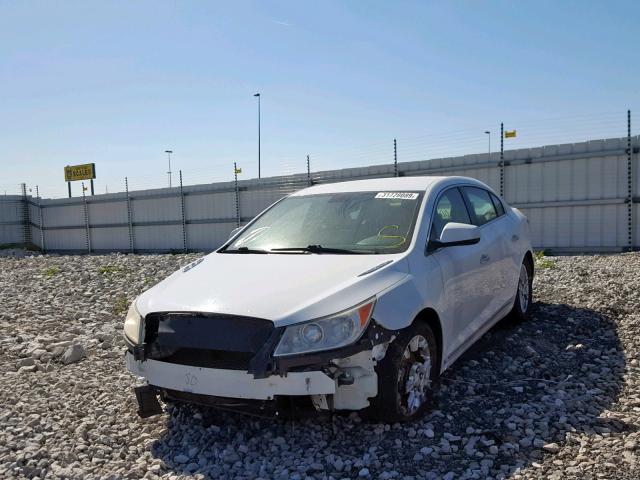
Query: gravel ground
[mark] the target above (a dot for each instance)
(556, 397)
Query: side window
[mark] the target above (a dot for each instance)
(481, 205)
(498, 204)
(450, 208)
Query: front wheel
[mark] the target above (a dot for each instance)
(406, 375)
(524, 296)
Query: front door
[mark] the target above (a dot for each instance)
(464, 272)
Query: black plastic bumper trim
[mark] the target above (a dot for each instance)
(148, 404)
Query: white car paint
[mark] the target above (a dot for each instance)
(230, 383)
(285, 289)
(468, 293)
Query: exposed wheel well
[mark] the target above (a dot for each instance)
(431, 318)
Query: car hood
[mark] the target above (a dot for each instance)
(283, 288)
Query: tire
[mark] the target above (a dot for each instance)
(393, 403)
(521, 310)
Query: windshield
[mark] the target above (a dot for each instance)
(353, 222)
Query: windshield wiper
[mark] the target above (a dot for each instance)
(321, 249)
(245, 250)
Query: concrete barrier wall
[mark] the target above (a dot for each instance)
(575, 195)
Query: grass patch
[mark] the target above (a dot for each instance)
(111, 269)
(121, 305)
(543, 261)
(51, 271)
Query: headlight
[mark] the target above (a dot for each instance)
(133, 325)
(326, 333)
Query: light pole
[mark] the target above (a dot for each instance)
(169, 152)
(258, 95)
(489, 133)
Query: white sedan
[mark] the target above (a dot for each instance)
(346, 296)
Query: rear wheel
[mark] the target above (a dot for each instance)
(524, 296)
(406, 375)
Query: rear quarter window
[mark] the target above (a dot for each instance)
(498, 204)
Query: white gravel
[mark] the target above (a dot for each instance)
(557, 397)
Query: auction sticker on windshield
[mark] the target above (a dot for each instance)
(400, 195)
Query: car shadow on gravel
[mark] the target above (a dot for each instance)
(517, 396)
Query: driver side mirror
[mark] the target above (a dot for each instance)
(455, 235)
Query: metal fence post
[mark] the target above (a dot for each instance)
(26, 220)
(86, 220)
(184, 225)
(235, 179)
(40, 222)
(129, 216)
(309, 182)
(630, 229)
(395, 158)
(502, 159)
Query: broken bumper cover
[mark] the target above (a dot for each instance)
(229, 383)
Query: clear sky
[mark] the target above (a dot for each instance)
(119, 82)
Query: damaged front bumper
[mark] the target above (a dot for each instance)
(229, 383)
(343, 379)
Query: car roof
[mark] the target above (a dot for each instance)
(388, 184)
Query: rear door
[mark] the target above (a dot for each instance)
(512, 244)
(495, 256)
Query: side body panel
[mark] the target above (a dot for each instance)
(493, 281)
(486, 292)
(517, 242)
(466, 289)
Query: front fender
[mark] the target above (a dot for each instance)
(398, 305)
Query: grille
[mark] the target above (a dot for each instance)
(205, 340)
(210, 358)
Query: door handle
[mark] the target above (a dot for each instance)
(484, 258)
(515, 238)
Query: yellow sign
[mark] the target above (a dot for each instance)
(79, 172)
(510, 134)
(238, 170)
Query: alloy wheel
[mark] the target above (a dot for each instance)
(414, 377)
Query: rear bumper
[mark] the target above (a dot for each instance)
(229, 383)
